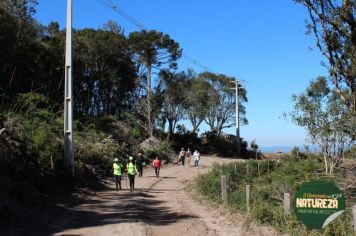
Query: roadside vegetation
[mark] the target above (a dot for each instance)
(268, 186)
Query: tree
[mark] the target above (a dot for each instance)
(174, 95)
(326, 119)
(105, 73)
(221, 110)
(199, 96)
(333, 24)
(24, 9)
(31, 55)
(154, 50)
(19, 44)
(254, 147)
(51, 70)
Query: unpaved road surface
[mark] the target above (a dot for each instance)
(158, 206)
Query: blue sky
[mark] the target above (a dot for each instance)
(260, 42)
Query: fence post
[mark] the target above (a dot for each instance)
(52, 163)
(223, 188)
(235, 168)
(248, 198)
(354, 216)
(286, 203)
(247, 169)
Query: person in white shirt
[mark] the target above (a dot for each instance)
(196, 157)
(182, 156)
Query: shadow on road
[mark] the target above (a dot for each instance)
(163, 177)
(114, 208)
(155, 190)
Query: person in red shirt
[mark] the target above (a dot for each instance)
(157, 166)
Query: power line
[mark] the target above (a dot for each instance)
(110, 4)
(266, 88)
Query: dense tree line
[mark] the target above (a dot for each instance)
(113, 73)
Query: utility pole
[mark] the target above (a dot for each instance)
(68, 95)
(237, 116)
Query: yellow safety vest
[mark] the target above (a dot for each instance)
(117, 168)
(131, 168)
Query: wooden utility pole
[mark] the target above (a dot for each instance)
(248, 198)
(286, 203)
(223, 188)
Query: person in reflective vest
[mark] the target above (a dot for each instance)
(131, 172)
(117, 166)
(157, 166)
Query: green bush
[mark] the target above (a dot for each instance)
(32, 121)
(209, 185)
(340, 227)
(164, 151)
(351, 153)
(136, 132)
(237, 196)
(265, 214)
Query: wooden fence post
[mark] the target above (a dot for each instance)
(286, 203)
(223, 188)
(247, 169)
(256, 155)
(52, 163)
(354, 216)
(248, 198)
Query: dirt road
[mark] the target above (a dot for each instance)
(157, 207)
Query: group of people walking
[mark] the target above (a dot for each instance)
(133, 168)
(187, 155)
(136, 167)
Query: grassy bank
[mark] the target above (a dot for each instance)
(269, 181)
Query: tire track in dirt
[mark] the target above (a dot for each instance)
(202, 222)
(158, 207)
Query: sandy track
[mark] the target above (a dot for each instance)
(157, 207)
